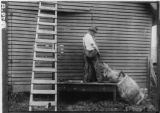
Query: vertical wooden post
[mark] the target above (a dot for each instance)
(158, 54)
(4, 57)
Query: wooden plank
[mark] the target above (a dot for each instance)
(47, 8)
(62, 36)
(44, 59)
(43, 92)
(111, 41)
(27, 33)
(45, 41)
(60, 24)
(122, 12)
(47, 16)
(42, 103)
(137, 69)
(20, 3)
(22, 25)
(21, 32)
(104, 21)
(22, 18)
(43, 81)
(20, 47)
(104, 28)
(51, 27)
(22, 14)
(117, 16)
(28, 76)
(28, 36)
(13, 79)
(108, 17)
(22, 21)
(72, 51)
(105, 60)
(19, 11)
(24, 50)
(105, 14)
(23, 7)
(28, 54)
(81, 57)
(104, 55)
(31, 29)
(108, 8)
(65, 67)
(72, 65)
(21, 39)
(45, 23)
(45, 50)
(21, 43)
(26, 68)
(46, 32)
(132, 5)
(45, 69)
(108, 45)
(80, 75)
(68, 72)
(103, 32)
(105, 48)
(101, 3)
(112, 51)
(103, 8)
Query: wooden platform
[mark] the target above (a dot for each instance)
(88, 87)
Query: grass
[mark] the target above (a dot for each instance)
(18, 101)
(77, 101)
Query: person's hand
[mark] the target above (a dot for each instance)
(98, 54)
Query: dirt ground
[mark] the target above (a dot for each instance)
(76, 101)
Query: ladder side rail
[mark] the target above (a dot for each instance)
(33, 65)
(56, 57)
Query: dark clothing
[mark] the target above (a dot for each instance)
(92, 68)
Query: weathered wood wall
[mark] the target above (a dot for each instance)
(123, 38)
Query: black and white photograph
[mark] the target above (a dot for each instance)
(80, 56)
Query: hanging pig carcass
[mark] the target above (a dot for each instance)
(127, 87)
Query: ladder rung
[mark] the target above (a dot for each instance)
(44, 59)
(49, 2)
(45, 41)
(45, 50)
(44, 81)
(43, 92)
(46, 32)
(47, 16)
(42, 103)
(47, 8)
(46, 23)
(45, 69)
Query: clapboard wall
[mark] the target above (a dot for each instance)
(123, 38)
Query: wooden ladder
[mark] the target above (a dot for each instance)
(50, 13)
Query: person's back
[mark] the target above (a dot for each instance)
(89, 42)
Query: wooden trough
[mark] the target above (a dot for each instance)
(74, 85)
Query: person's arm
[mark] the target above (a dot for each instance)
(92, 42)
(94, 45)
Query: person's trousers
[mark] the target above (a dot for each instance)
(92, 69)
